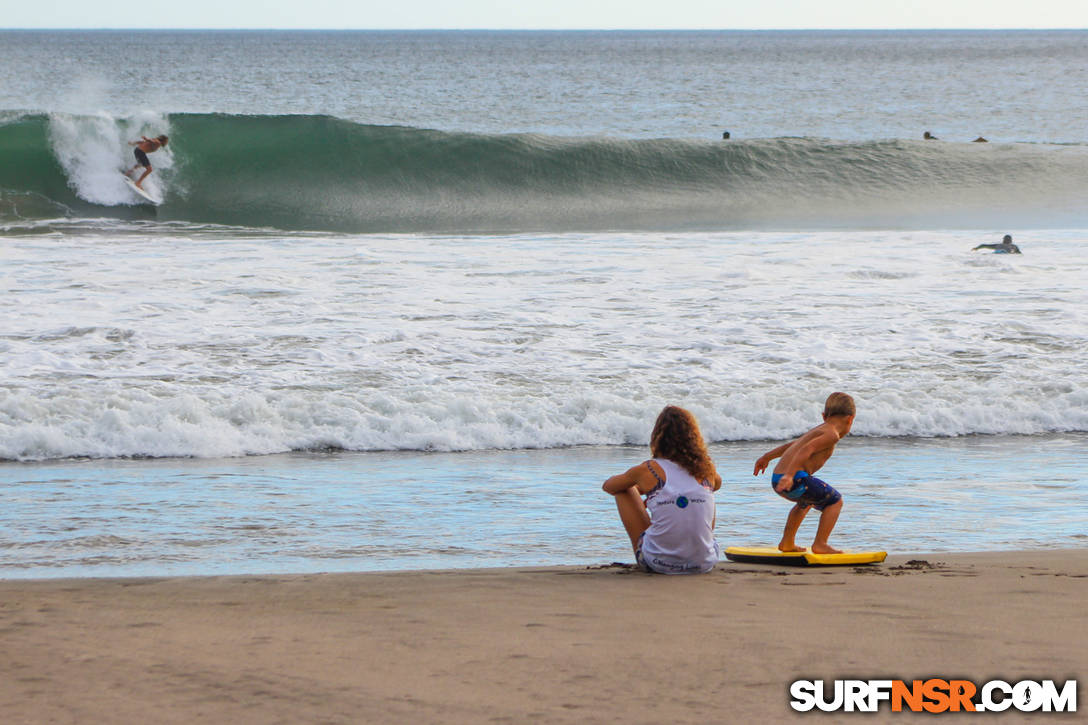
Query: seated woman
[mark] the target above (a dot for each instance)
(672, 532)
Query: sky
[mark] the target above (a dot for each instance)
(545, 14)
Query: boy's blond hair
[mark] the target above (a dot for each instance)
(839, 404)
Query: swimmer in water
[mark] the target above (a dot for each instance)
(1006, 246)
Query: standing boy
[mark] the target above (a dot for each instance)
(792, 478)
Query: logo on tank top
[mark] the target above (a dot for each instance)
(682, 501)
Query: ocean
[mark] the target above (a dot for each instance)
(411, 297)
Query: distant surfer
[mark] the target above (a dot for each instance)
(1006, 246)
(144, 147)
(929, 137)
(725, 135)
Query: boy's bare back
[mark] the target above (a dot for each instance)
(810, 452)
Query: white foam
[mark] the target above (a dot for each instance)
(94, 149)
(167, 343)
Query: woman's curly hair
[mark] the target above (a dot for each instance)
(676, 437)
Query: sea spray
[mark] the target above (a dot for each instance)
(92, 150)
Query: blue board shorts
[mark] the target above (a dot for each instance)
(808, 491)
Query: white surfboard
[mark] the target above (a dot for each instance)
(142, 193)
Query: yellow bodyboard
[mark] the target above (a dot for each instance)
(771, 555)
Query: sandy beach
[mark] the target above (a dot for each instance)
(571, 644)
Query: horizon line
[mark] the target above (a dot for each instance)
(550, 30)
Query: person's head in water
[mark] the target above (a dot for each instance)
(162, 138)
(676, 437)
(1007, 239)
(929, 137)
(725, 134)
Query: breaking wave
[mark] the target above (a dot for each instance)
(321, 173)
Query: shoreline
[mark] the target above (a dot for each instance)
(620, 564)
(350, 512)
(542, 644)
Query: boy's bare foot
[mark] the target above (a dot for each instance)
(824, 549)
(783, 546)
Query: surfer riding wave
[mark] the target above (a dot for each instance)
(144, 147)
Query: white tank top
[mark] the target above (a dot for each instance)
(680, 539)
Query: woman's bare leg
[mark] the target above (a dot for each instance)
(633, 514)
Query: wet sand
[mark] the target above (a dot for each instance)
(569, 644)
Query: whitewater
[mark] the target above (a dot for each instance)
(155, 340)
(410, 297)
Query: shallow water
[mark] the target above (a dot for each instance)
(318, 512)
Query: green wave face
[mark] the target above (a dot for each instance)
(28, 167)
(323, 173)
